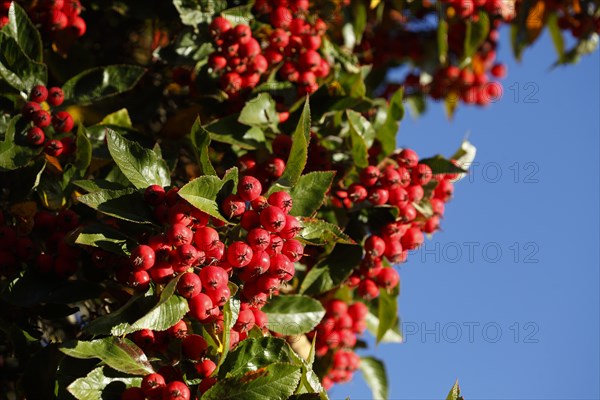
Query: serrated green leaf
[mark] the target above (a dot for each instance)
(229, 130)
(387, 311)
(100, 83)
(95, 385)
(374, 373)
(141, 166)
(253, 354)
(195, 12)
(202, 193)
(134, 309)
(273, 382)
(127, 204)
(440, 165)
(319, 233)
(200, 138)
(104, 237)
(120, 354)
(556, 35)
(362, 126)
(231, 310)
(299, 151)
(309, 192)
(454, 393)
(21, 29)
(18, 70)
(392, 335)
(293, 314)
(358, 148)
(98, 184)
(12, 155)
(260, 112)
(169, 310)
(333, 270)
(386, 134)
(83, 155)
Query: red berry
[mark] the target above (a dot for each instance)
(412, 239)
(234, 206)
(79, 26)
(378, 196)
(336, 308)
(245, 321)
(367, 289)
(139, 279)
(369, 176)
(283, 200)
(176, 391)
(194, 346)
(407, 158)
(179, 234)
(357, 193)
(421, 174)
(258, 239)
(388, 278)
(219, 295)
(189, 285)
(62, 122)
(282, 267)
(35, 136)
(205, 368)
(239, 254)
(41, 118)
(444, 190)
(291, 229)
(498, 71)
(153, 385)
(179, 330)
(249, 188)
(200, 306)
(213, 276)
(218, 26)
(358, 311)
(154, 195)
(54, 148)
(38, 94)
(281, 17)
(206, 238)
(310, 60)
(142, 257)
(29, 109)
(293, 249)
(272, 219)
(250, 220)
(415, 193)
(275, 167)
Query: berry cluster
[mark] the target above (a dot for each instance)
(53, 15)
(45, 248)
(469, 8)
(49, 129)
(337, 334)
(400, 185)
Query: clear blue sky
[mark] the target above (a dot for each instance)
(545, 298)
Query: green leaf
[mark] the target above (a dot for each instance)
(93, 385)
(200, 138)
(465, 155)
(118, 118)
(135, 308)
(141, 166)
(239, 15)
(442, 40)
(386, 134)
(440, 165)
(253, 354)
(392, 335)
(362, 126)
(127, 204)
(299, 151)
(293, 314)
(333, 270)
(104, 237)
(21, 29)
(12, 155)
(584, 46)
(100, 83)
(195, 12)
(309, 192)
(120, 354)
(260, 112)
(83, 155)
(476, 33)
(319, 233)
(556, 34)
(373, 371)
(387, 312)
(98, 184)
(167, 312)
(229, 130)
(454, 393)
(359, 19)
(231, 310)
(273, 382)
(358, 150)
(18, 70)
(202, 193)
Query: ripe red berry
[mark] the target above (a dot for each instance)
(179, 234)
(260, 203)
(139, 279)
(142, 257)
(54, 148)
(282, 267)
(258, 239)
(407, 158)
(245, 321)
(154, 195)
(388, 278)
(310, 60)
(205, 368)
(407, 213)
(29, 109)
(189, 285)
(213, 276)
(275, 167)
(250, 220)
(444, 190)
(56, 20)
(367, 289)
(378, 196)
(412, 239)
(281, 17)
(357, 193)
(498, 71)
(35, 136)
(55, 96)
(239, 254)
(249, 188)
(153, 385)
(41, 118)
(200, 306)
(283, 200)
(179, 330)
(234, 206)
(369, 176)
(62, 122)
(194, 346)
(291, 229)
(38, 94)
(421, 174)
(293, 249)
(206, 238)
(358, 311)
(218, 26)
(415, 193)
(219, 295)
(272, 219)
(176, 390)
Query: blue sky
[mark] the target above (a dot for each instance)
(506, 298)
